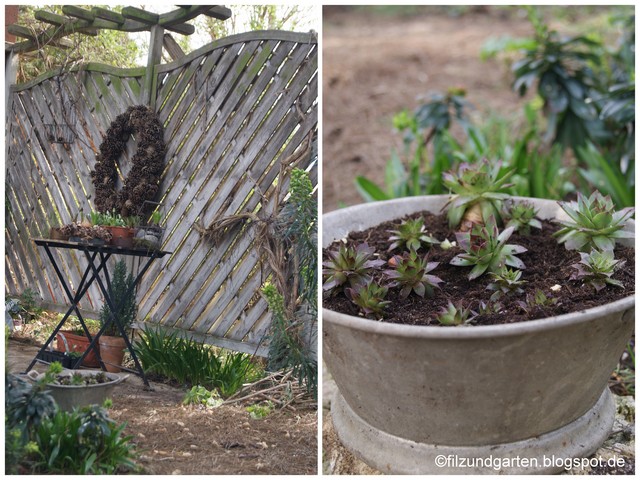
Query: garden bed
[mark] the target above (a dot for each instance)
(174, 439)
(548, 264)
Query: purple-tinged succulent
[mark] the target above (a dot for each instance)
(411, 272)
(349, 266)
(505, 281)
(596, 269)
(455, 315)
(370, 297)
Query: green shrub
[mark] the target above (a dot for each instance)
(82, 442)
(123, 294)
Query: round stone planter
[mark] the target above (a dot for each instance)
(430, 400)
(69, 396)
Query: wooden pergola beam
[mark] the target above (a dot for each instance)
(79, 13)
(88, 22)
(182, 14)
(219, 12)
(108, 15)
(51, 18)
(139, 15)
(182, 28)
(172, 47)
(22, 32)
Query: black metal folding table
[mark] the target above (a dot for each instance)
(97, 257)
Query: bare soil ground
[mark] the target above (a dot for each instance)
(174, 439)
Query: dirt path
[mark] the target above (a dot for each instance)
(175, 439)
(376, 65)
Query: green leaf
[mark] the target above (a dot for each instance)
(369, 190)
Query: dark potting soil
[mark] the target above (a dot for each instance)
(547, 264)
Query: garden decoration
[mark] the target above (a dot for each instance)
(149, 236)
(505, 347)
(147, 164)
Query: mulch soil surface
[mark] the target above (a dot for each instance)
(171, 438)
(547, 264)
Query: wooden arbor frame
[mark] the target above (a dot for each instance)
(131, 19)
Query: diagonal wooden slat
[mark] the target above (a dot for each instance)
(231, 113)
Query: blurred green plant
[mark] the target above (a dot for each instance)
(413, 173)
(199, 395)
(191, 363)
(260, 410)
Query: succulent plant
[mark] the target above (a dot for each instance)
(370, 297)
(476, 192)
(411, 234)
(505, 281)
(489, 308)
(412, 274)
(593, 223)
(487, 250)
(596, 269)
(455, 315)
(349, 265)
(536, 300)
(521, 216)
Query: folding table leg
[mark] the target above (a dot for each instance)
(75, 300)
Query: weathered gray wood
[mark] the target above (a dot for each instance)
(78, 12)
(51, 18)
(219, 12)
(107, 14)
(140, 15)
(20, 31)
(153, 58)
(250, 128)
(172, 47)
(231, 115)
(207, 139)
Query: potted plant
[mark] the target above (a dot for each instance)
(413, 396)
(122, 229)
(122, 293)
(78, 388)
(70, 342)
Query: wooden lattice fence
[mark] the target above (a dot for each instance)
(231, 111)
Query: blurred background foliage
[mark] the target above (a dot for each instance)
(576, 133)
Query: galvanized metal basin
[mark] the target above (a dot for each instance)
(410, 393)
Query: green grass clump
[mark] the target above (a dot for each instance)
(191, 363)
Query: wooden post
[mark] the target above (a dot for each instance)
(154, 58)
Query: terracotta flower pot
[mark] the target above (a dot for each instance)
(411, 398)
(76, 343)
(122, 236)
(112, 352)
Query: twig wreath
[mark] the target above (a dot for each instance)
(147, 164)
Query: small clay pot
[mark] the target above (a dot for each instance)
(122, 236)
